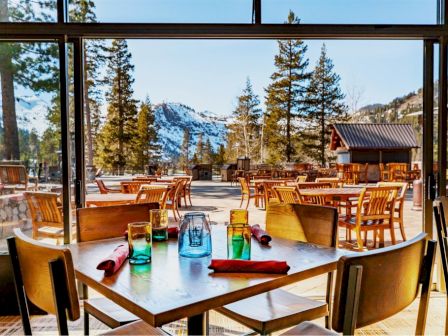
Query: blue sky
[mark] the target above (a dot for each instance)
(209, 74)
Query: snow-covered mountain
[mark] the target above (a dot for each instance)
(173, 118)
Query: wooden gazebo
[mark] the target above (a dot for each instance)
(373, 144)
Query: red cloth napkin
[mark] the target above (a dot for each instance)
(261, 235)
(249, 266)
(112, 263)
(173, 231)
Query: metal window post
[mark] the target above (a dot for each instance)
(442, 141)
(78, 69)
(256, 11)
(65, 128)
(428, 134)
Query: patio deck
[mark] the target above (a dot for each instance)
(216, 198)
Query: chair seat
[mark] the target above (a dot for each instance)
(51, 231)
(136, 328)
(351, 222)
(309, 328)
(275, 310)
(108, 312)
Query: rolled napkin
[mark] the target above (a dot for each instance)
(261, 235)
(173, 231)
(112, 263)
(249, 266)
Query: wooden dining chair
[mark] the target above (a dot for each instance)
(301, 178)
(131, 187)
(103, 189)
(268, 193)
(104, 223)
(398, 214)
(374, 213)
(152, 194)
(46, 214)
(440, 214)
(44, 274)
(335, 182)
(246, 194)
(278, 309)
(375, 285)
(286, 194)
(184, 192)
(172, 201)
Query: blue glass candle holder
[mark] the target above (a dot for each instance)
(195, 238)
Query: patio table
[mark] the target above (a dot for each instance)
(109, 199)
(333, 194)
(173, 287)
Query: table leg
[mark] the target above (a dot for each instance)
(198, 324)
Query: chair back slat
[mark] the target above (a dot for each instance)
(286, 194)
(34, 257)
(110, 221)
(244, 186)
(152, 194)
(335, 182)
(101, 186)
(390, 281)
(376, 203)
(309, 223)
(132, 187)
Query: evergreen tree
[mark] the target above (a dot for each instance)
(220, 156)
(94, 61)
(146, 148)
(208, 152)
(199, 149)
(119, 131)
(325, 107)
(285, 100)
(245, 130)
(30, 65)
(184, 160)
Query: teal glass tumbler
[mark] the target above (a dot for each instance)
(238, 241)
(140, 243)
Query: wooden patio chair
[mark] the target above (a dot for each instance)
(16, 176)
(335, 182)
(384, 173)
(104, 223)
(172, 201)
(46, 214)
(440, 213)
(301, 178)
(131, 187)
(246, 192)
(268, 193)
(279, 309)
(45, 275)
(145, 179)
(235, 176)
(399, 203)
(105, 190)
(286, 194)
(374, 213)
(318, 199)
(376, 285)
(397, 172)
(186, 191)
(152, 194)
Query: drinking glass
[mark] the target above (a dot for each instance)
(159, 223)
(195, 239)
(140, 243)
(238, 241)
(239, 216)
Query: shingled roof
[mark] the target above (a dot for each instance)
(373, 136)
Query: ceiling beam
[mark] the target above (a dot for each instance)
(49, 31)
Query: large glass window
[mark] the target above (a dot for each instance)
(28, 11)
(166, 11)
(352, 11)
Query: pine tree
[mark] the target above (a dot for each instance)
(220, 156)
(245, 130)
(30, 65)
(146, 148)
(119, 131)
(199, 149)
(325, 107)
(184, 160)
(94, 61)
(285, 101)
(208, 153)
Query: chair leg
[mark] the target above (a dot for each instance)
(403, 234)
(365, 238)
(359, 239)
(248, 201)
(392, 233)
(242, 199)
(86, 323)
